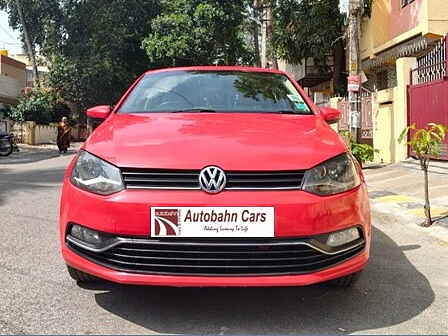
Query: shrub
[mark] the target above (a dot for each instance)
(362, 152)
(41, 106)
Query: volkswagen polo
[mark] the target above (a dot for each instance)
(215, 176)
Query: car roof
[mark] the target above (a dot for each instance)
(217, 68)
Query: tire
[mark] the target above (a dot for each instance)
(7, 149)
(79, 276)
(346, 281)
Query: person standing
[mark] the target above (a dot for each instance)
(64, 135)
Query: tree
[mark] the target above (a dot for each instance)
(253, 27)
(198, 32)
(310, 29)
(425, 142)
(29, 45)
(42, 106)
(93, 47)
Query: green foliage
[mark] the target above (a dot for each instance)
(311, 29)
(41, 16)
(93, 46)
(362, 152)
(40, 106)
(306, 28)
(198, 32)
(5, 111)
(425, 142)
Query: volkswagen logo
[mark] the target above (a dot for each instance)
(212, 179)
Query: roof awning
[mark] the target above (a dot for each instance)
(411, 48)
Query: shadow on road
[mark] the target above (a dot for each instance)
(435, 166)
(26, 156)
(12, 180)
(390, 292)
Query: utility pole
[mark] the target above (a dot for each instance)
(354, 16)
(269, 31)
(29, 46)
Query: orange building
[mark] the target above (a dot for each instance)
(396, 29)
(12, 79)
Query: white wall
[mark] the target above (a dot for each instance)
(45, 134)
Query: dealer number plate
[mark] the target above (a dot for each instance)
(211, 222)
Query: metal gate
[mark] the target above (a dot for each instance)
(365, 105)
(428, 92)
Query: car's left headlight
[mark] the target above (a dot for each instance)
(334, 176)
(96, 175)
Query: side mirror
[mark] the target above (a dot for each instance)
(99, 112)
(330, 115)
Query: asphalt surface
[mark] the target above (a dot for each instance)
(404, 289)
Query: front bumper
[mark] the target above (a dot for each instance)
(298, 214)
(351, 266)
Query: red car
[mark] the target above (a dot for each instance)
(215, 176)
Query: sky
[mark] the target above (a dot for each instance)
(9, 39)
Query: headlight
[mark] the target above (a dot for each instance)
(95, 175)
(331, 177)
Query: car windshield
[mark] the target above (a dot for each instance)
(215, 91)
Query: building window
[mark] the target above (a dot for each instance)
(386, 78)
(405, 2)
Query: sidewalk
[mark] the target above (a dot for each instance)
(398, 190)
(31, 154)
(45, 147)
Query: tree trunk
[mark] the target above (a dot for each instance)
(269, 33)
(255, 33)
(29, 45)
(428, 219)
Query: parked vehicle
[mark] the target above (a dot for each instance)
(215, 176)
(7, 144)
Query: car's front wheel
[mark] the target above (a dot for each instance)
(346, 281)
(79, 276)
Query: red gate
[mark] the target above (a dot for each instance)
(428, 92)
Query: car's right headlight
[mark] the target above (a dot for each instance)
(334, 176)
(95, 175)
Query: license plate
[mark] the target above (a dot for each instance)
(211, 222)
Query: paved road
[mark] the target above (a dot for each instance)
(404, 290)
(405, 180)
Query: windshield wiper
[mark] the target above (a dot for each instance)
(290, 112)
(199, 109)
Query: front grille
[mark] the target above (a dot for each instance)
(215, 258)
(135, 178)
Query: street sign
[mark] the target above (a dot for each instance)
(353, 83)
(355, 121)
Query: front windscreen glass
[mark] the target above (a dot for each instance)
(215, 91)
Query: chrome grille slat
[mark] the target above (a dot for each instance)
(264, 180)
(209, 258)
(216, 258)
(140, 178)
(149, 180)
(137, 251)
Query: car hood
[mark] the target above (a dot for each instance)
(232, 141)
